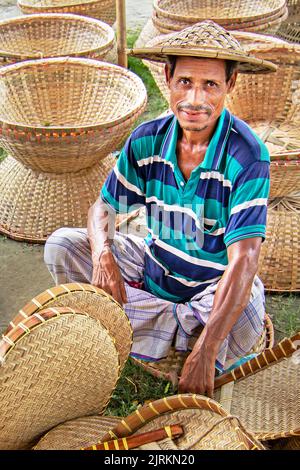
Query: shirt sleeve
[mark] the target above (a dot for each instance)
(248, 203)
(124, 188)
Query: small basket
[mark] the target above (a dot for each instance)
(170, 367)
(279, 256)
(104, 10)
(53, 35)
(89, 299)
(264, 392)
(52, 370)
(64, 115)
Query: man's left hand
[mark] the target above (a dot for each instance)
(198, 372)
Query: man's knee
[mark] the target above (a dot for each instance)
(63, 240)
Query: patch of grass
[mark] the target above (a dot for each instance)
(284, 310)
(134, 388)
(3, 154)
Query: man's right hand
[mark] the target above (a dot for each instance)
(107, 275)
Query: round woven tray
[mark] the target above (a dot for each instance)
(33, 205)
(207, 426)
(52, 370)
(290, 28)
(77, 433)
(279, 257)
(104, 10)
(264, 392)
(170, 367)
(53, 35)
(63, 115)
(88, 299)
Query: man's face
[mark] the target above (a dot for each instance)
(197, 91)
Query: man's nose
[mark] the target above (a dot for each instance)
(197, 96)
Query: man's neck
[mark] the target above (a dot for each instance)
(199, 138)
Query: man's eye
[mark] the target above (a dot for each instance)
(184, 81)
(211, 84)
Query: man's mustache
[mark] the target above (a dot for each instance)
(189, 107)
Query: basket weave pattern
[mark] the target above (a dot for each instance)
(53, 35)
(104, 10)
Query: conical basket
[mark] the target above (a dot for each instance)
(56, 365)
(64, 115)
(104, 10)
(54, 35)
(264, 392)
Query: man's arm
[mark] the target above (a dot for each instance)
(231, 298)
(101, 231)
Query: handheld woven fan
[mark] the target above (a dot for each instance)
(264, 392)
(56, 365)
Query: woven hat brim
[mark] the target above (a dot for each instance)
(52, 370)
(247, 63)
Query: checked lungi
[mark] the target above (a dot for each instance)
(157, 323)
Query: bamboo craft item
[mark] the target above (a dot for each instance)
(104, 10)
(170, 367)
(207, 426)
(264, 392)
(54, 355)
(258, 16)
(279, 256)
(54, 35)
(60, 118)
(290, 28)
(89, 299)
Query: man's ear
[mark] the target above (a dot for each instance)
(231, 81)
(167, 75)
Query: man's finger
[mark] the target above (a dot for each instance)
(123, 292)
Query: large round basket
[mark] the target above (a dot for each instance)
(264, 392)
(260, 15)
(290, 28)
(279, 257)
(104, 10)
(56, 365)
(63, 115)
(33, 204)
(89, 299)
(53, 35)
(170, 367)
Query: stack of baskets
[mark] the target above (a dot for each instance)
(271, 105)
(104, 10)
(259, 15)
(59, 120)
(290, 28)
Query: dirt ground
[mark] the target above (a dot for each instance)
(23, 274)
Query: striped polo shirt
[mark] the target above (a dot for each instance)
(191, 223)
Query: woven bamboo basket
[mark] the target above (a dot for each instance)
(63, 115)
(264, 392)
(104, 10)
(53, 35)
(170, 367)
(53, 370)
(89, 299)
(260, 16)
(207, 426)
(290, 28)
(33, 204)
(279, 257)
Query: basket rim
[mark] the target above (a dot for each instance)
(62, 61)
(60, 16)
(29, 4)
(193, 19)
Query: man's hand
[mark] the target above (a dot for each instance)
(107, 275)
(198, 372)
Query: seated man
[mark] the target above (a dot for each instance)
(203, 176)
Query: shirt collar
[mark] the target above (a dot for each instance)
(215, 149)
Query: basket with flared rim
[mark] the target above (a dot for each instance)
(104, 10)
(52, 370)
(264, 392)
(170, 367)
(65, 114)
(53, 35)
(235, 15)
